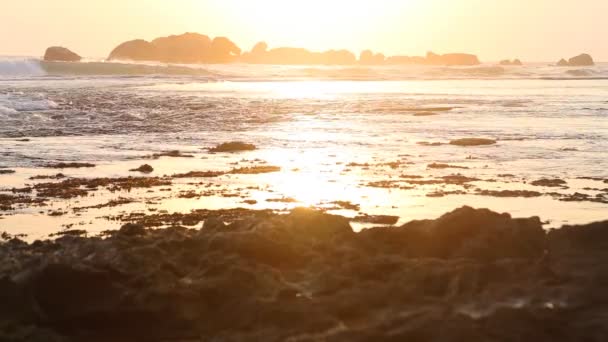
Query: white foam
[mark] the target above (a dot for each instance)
(14, 103)
(14, 66)
(6, 110)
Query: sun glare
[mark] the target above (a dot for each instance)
(315, 23)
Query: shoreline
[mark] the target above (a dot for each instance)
(307, 276)
(99, 196)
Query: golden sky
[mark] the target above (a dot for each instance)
(534, 30)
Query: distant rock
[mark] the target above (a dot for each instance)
(580, 60)
(405, 60)
(260, 48)
(184, 48)
(473, 142)
(61, 54)
(507, 62)
(197, 48)
(297, 56)
(136, 50)
(367, 57)
(452, 59)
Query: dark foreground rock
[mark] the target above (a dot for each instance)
(60, 54)
(471, 275)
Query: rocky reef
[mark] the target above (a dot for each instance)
(470, 275)
(260, 54)
(431, 58)
(185, 48)
(199, 48)
(61, 54)
(580, 60)
(508, 62)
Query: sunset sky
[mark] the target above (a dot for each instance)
(534, 30)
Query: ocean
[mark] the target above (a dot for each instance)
(377, 138)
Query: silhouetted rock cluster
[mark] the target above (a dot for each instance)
(260, 54)
(471, 275)
(185, 48)
(60, 54)
(198, 48)
(507, 62)
(450, 59)
(580, 60)
(367, 57)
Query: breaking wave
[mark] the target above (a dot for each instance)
(21, 67)
(24, 67)
(32, 67)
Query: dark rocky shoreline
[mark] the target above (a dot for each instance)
(471, 275)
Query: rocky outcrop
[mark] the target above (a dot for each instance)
(260, 54)
(507, 62)
(367, 57)
(306, 276)
(452, 59)
(198, 48)
(580, 60)
(60, 54)
(405, 60)
(185, 48)
(135, 50)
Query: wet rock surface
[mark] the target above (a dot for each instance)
(473, 142)
(233, 146)
(145, 168)
(74, 165)
(306, 276)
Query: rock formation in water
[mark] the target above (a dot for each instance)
(260, 54)
(185, 48)
(450, 59)
(198, 48)
(580, 60)
(136, 50)
(61, 54)
(367, 57)
(405, 60)
(507, 62)
(471, 275)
